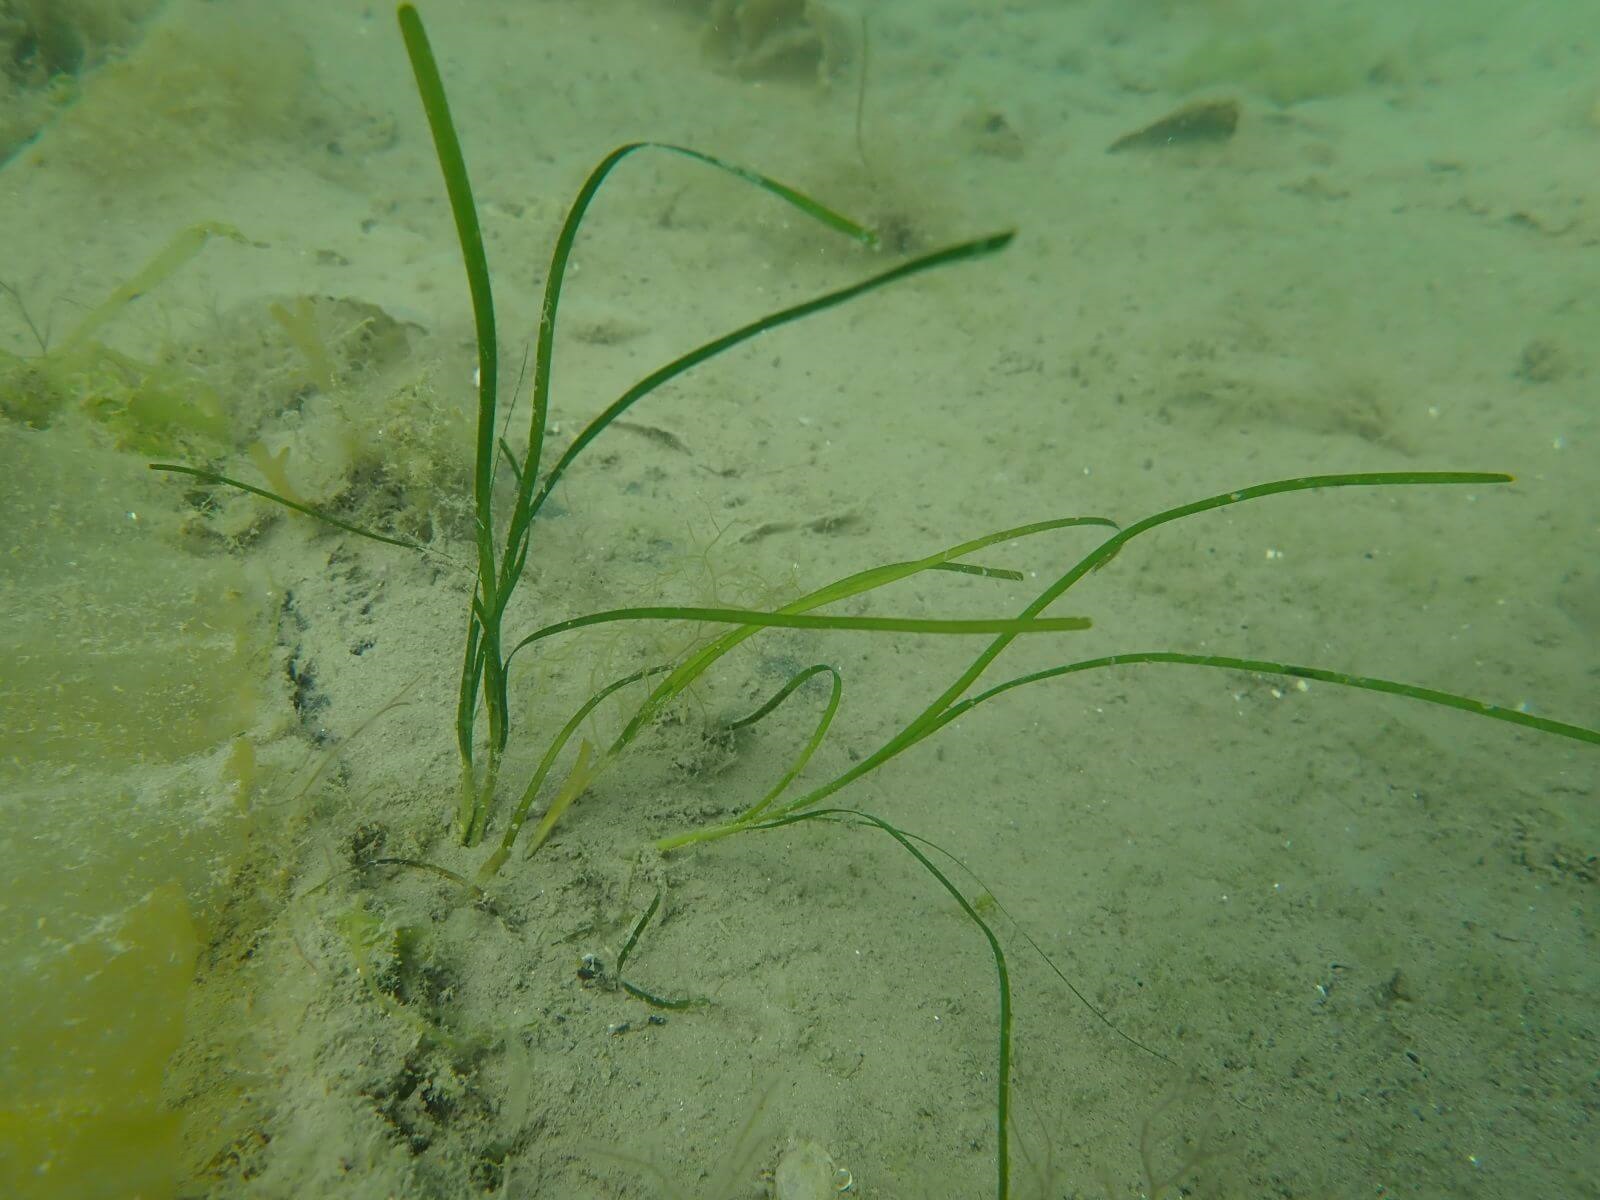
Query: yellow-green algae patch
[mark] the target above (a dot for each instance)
(125, 684)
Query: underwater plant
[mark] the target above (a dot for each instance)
(148, 407)
(503, 545)
(505, 541)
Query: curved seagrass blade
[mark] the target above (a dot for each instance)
(950, 705)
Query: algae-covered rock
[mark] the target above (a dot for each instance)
(47, 46)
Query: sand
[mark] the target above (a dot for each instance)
(1308, 941)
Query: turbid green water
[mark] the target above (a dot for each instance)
(1353, 933)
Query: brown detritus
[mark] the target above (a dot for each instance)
(991, 133)
(842, 522)
(768, 39)
(656, 434)
(847, 521)
(1542, 361)
(1204, 121)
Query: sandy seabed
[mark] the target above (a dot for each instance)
(1311, 942)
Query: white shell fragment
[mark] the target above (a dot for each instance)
(807, 1172)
